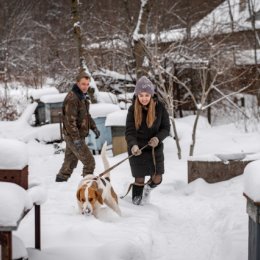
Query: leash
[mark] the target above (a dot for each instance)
(143, 184)
(114, 166)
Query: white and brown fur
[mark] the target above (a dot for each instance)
(94, 191)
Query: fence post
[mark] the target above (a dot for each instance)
(6, 245)
(37, 226)
(253, 211)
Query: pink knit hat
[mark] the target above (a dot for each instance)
(144, 85)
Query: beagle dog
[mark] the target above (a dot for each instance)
(94, 191)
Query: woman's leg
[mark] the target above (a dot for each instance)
(153, 183)
(137, 190)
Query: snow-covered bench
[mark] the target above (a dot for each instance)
(15, 203)
(16, 199)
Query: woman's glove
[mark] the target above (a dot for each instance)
(154, 141)
(135, 150)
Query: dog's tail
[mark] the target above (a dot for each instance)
(104, 159)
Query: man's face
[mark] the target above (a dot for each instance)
(83, 84)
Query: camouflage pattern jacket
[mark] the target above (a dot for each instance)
(76, 118)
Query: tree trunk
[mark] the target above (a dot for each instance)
(192, 146)
(77, 32)
(80, 47)
(176, 137)
(139, 37)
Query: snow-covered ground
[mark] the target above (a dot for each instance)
(183, 221)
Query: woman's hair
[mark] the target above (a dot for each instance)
(138, 113)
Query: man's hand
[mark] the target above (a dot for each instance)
(78, 144)
(135, 150)
(154, 141)
(97, 133)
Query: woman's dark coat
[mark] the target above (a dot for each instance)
(143, 165)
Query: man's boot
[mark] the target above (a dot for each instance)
(137, 194)
(60, 178)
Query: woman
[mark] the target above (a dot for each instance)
(147, 123)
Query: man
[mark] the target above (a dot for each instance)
(76, 125)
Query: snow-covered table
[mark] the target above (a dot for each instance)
(15, 203)
(218, 167)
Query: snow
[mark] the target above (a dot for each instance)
(117, 118)
(137, 35)
(205, 158)
(21, 129)
(247, 57)
(102, 109)
(13, 154)
(219, 21)
(14, 200)
(188, 221)
(216, 22)
(27, 113)
(54, 98)
(37, 93)
(115, 43)
(252, 180)
(107, 97)
(45, 133)
(113, 74)
(37, 194)
(19, 250)
(127, 96)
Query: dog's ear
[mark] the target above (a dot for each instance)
(81, 194)
(99, 197)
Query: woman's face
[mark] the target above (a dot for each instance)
(144, 98)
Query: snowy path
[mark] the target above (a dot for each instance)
(198, 221)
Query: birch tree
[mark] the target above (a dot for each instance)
(139, 36)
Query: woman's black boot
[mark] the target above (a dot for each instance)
(137, 194)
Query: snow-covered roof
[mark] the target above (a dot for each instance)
(53, 98)
(108, 97)
(117, 118)
(115, 43)
(102, 109)
(113, 74)
(252, 181)
(247, 57)
(13, 154)
(169, 36)
(37, 93)
(219, 21)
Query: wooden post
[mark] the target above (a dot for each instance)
(253, 211)
(6, 245)
(37, 227)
